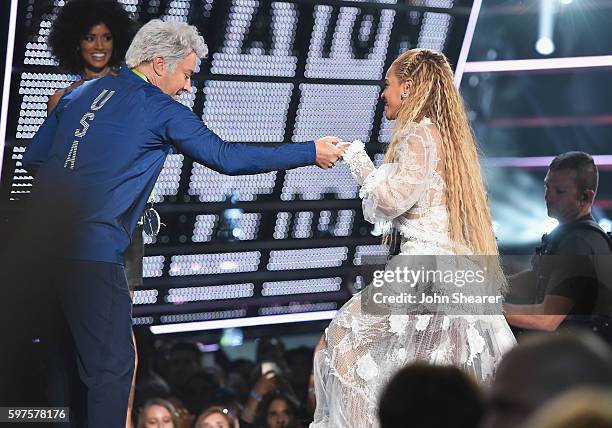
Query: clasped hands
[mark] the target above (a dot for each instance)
(329, 151)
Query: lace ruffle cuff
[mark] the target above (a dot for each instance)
(353, 150)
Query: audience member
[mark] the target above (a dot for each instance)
(578, 408)
(432, 397)
(215, 417)
(158, 413)
(542, 367)
(277, 410)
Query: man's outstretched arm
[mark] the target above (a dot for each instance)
(175, 123)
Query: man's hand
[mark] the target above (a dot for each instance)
(327, 153)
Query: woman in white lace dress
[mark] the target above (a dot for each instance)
(430, 189)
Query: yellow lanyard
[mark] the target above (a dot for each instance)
(138, 73)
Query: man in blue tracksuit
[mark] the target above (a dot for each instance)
(96, 160)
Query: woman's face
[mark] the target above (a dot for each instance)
(97, 47)
(392, 94)
(279, 414)
(214, 420)
(158, 417)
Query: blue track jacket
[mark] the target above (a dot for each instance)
(103, 147)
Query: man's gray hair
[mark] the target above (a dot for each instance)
(170, 40)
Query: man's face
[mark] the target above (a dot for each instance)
(178, 81)
(563, 200)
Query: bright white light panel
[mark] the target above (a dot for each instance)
(168, 180)
(204, 227)
(340, 62)
(433, 30)
(369, 252)
(346, 111)
(214, 292)
(145, 297)
(206, 224)
(302, 225)
(342, 225)
(303, 286)
(312, 183)
(435, 26)
(34, 90)
(258, 60)
(211, 186)
(281, 228)
(152, 266)
(247, 111)
(22, 180)
(207, 264)
(296, 307)
(386, 130)
(310, 258)
(249, 226)
(203, 316)
(37, 52)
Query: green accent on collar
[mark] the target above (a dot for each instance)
(138, 73)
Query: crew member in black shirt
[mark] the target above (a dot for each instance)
(571, 269)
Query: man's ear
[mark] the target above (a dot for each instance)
(159, 65)
(588, 196)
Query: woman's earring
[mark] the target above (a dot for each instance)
(404, 94)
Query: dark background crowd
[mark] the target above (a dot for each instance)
(549, 380)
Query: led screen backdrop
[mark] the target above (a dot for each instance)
(268, 244)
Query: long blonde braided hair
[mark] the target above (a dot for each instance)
(434, 95)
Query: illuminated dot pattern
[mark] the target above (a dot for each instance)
(203, 316)
(249, 226)
(303, 286)
(204, 227)
(176, 10)
(215, 292)
(341, 61)
(188, 98)
(145, 297)
(21, 183)
(152, 266)
(211, 186)
(342, 226)
(434, 29)
(34, 90)
(312, 183)
(345, 111)
(247, 111)
(369, 253)
(386, 130)
(206, 264)
(295, 308)
(310, 258)
(302, 225)
(142, 320)
(255, 59)
(281, 228)
(168, 181)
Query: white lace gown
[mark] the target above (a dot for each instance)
(363, 351)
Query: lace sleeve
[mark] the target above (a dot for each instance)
(393, 188)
